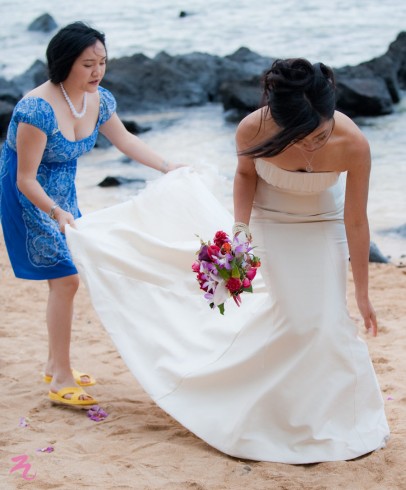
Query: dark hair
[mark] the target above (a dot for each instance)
(67, 45)
(299, 96)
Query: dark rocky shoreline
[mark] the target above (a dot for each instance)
(141, 84)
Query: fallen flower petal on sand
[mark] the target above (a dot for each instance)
(48, 449)
(23, 422)
(96, 413)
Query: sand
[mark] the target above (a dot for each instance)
(138, 446)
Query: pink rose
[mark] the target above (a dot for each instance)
(251, 273)
(246, 283)
(195, 266)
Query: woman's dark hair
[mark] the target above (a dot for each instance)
(299, 96)
(67, 45)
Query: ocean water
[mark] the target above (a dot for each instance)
(338, 32)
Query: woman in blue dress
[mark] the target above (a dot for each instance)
(51, 127)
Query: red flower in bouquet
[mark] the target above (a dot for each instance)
(220, 238)
(213, 251)
(234, 284)
(225, 269)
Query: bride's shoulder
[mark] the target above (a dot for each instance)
(257, 125)
(349, 132)
(347, 125)
(350, 141)
(254, 119)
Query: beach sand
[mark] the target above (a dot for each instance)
(138, 446)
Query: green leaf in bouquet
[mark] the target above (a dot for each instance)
(221, 308)
(223, 273)
(248, 289)
(235, 271)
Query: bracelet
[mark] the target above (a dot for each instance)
(51, 213)
(164, 167)
(239, 226)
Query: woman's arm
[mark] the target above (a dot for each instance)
(31, 143)
(132, 146)
(245, 179)
(357, 227)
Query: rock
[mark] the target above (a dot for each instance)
(386, 68)
(43, 23)
(34, 76)
(9, 92)
(102, 142)
(243, 96)
(363, 97)
(141, 83)
(110, 181)
(397, 53)
(375, 255)
(125, 159)
(134, 128)
(6, 111)
(250, 63)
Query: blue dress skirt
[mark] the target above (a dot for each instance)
(36, 247)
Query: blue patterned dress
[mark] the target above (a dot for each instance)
(36, 247)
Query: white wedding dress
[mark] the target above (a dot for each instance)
(283, 378)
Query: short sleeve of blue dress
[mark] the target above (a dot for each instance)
(37, 112)
(108, 105)
(36, 247)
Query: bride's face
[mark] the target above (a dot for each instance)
(318, 138)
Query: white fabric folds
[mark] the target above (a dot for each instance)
(283, 378)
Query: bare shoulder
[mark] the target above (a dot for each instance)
(355, 139)
(43, 91)
(354, 144)
(254, 128)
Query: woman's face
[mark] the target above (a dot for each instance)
(318, 138)
(88, 69)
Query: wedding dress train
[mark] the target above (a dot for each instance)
(284, 377)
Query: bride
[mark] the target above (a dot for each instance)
(285, 377)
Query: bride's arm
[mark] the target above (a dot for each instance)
(245, 179)
(357, 227)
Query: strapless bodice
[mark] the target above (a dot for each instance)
(305, 182)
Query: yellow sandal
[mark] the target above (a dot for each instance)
(77, 377)
(74, 400)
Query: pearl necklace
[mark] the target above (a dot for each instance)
(75, 113)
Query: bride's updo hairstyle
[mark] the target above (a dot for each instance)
(299, 97)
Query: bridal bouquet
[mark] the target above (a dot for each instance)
(225, 268)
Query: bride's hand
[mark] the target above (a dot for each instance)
(368, 314)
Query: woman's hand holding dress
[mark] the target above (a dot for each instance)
(63, 218)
